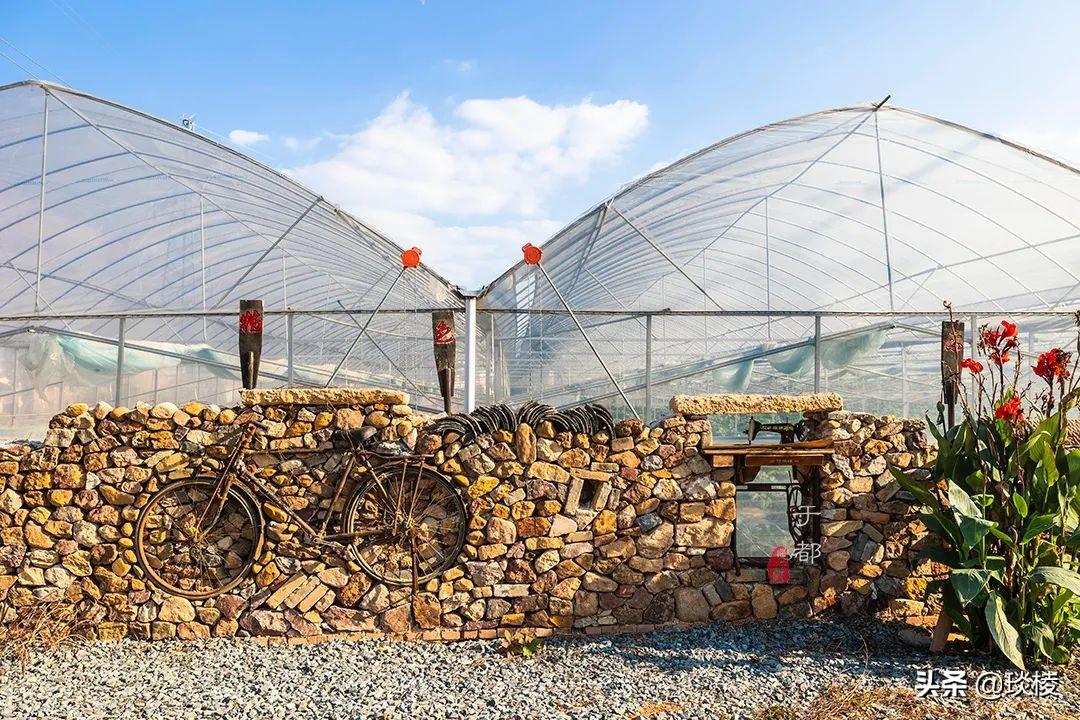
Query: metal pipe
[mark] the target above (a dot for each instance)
(393, 365)
(470, 354)
(119, 361)
(648, 368)
(225, 295)
(587, 340)
(367, 322)
(817, 353)
(628, 314)
(667, 257)
(41, 200)
(884, 214)
(291, 371)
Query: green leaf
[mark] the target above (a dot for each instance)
(974, 530)
(951, 604)
(961, 502)
(1062, 577)
(945, 556)
(1042, 637)
(1020, 504)
(1037, 526)
(1072, 458)
(918, 489)
(1048, 465)
(943, 526)
(969, 584)
(1004, 633)
(1004, 538)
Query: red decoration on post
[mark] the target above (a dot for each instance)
(411, 258)
(532, 253)
(779, 568)
(444, 334)
(251, 322)
(250, 326)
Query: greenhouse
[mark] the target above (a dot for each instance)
(812, 254)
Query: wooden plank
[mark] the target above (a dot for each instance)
(748, 449)
(800, 461)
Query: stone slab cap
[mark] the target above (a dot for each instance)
(323, 396)
(741, 404)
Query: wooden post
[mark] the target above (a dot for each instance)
(251, 337)
(952, 352)
(445, 346)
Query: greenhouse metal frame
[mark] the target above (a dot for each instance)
(814, 253)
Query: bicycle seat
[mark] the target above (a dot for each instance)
(356, 438)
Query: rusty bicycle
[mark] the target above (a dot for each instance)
(403, 522)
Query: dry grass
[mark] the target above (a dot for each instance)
(653, 709)
(775, 712)
(44, 627)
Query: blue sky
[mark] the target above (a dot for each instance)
(469, 128)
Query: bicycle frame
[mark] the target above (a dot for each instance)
(235, 468)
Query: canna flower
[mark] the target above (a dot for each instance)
(972, 365)
(1053, 365)
(997, 342)
(1010, 411)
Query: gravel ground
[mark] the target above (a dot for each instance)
(714, 671)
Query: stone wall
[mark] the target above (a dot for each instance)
(569, 532)
(871, 534)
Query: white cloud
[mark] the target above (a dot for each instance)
(461, 66)
(301, 145)
(472, 190)
(244, 138)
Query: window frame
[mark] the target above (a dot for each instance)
(809, 485)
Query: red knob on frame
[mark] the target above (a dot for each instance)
(411, 258)
(532, 253)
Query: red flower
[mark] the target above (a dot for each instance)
(1053, 365)
(972, 365)
(1010, 411)
(998, 342)
(251, 322)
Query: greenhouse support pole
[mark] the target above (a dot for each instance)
(470, 353)
(352, 346)
(41, 200)
(490, 375)
(290, 373)
(648, 367)
(817, 353)
(972, 393)
(585, 335)
(119, 361)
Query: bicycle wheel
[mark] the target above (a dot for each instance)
(196, 562)
(416, 520)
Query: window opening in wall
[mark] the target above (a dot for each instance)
(776, 514)
(777, 495)
(588, 493)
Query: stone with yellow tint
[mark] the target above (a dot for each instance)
(267, 575)
(604, 523)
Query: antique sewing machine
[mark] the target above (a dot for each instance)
(788, 432)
